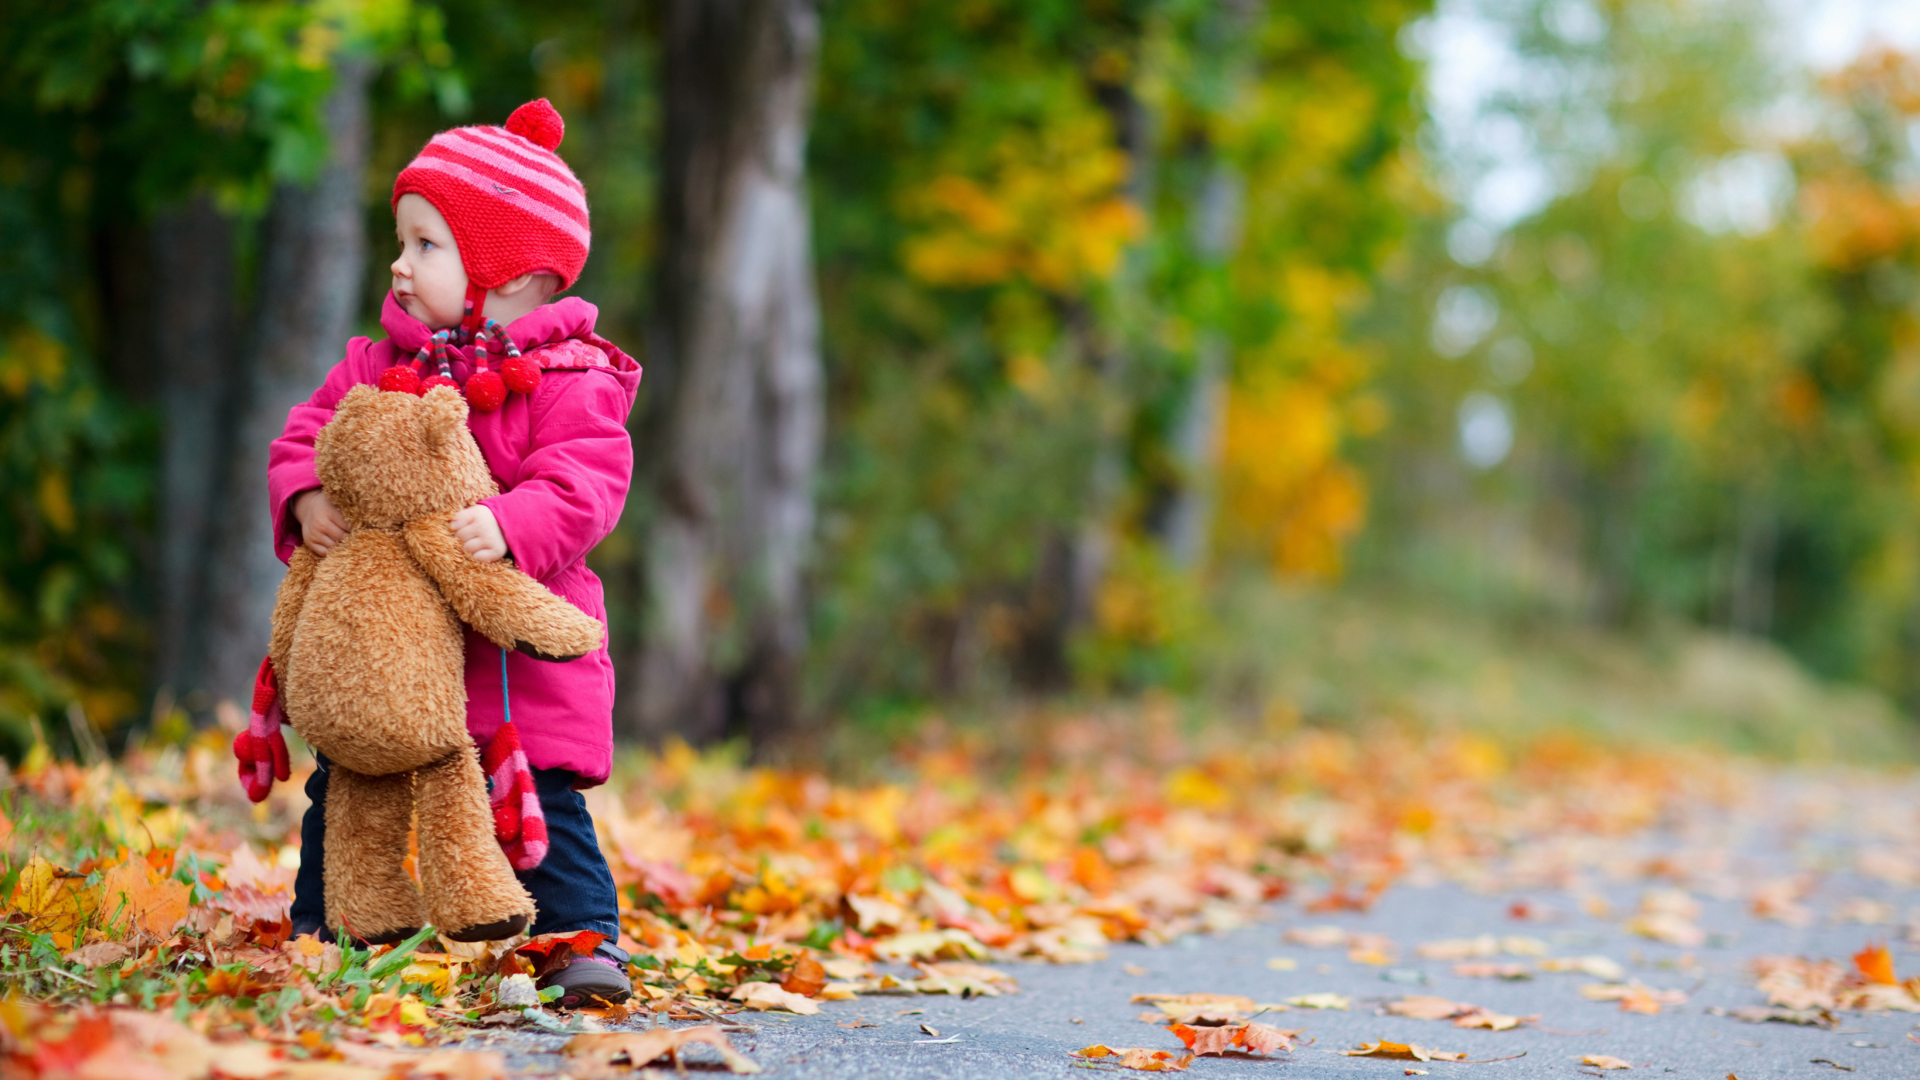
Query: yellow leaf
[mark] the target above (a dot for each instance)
(55, 901)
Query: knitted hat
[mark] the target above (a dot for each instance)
(513, 205)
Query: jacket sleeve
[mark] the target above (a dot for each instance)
(573, 481)
(290, 459)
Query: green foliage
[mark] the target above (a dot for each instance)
(1707, 407)
(1016, 291)
(118, 109)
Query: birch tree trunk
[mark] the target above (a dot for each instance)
(313, 259)
(735, 364)
(1196, 435)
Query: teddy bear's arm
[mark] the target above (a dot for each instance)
(287, 605)
(506, 606)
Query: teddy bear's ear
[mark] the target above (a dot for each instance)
(357, 397)
(446, 413)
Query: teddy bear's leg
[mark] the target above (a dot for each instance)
(368, 890)
(472, 894)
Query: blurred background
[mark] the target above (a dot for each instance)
(1499, 363)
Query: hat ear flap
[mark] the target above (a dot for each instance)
(446, 415)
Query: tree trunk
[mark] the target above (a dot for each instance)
(735, 356)
(1196, 436)
(312, 259)
(193, 350)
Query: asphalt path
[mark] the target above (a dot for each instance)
(1718, 859)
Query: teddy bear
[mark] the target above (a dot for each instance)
(368, 652)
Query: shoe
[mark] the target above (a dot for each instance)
(592, 981)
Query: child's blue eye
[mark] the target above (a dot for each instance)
(425, 245)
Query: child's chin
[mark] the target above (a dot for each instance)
(420, 311)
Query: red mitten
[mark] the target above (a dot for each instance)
(518, 822)
(261, 749)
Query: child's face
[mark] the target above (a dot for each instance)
(428, 279)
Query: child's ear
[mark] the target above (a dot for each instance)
(446, 414)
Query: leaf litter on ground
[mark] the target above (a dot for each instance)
(153, 878)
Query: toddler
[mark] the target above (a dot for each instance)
(491, 224)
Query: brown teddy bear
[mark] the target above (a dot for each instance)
(368, 650)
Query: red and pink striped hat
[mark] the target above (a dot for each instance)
(513, 205)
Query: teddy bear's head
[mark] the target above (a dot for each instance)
(389, 458)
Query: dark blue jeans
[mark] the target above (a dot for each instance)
(572, 888)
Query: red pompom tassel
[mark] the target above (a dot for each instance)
(486, 390)
(539, 123)
(401, 379)
(521, 374)
(438, 380)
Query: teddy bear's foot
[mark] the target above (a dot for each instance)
(471, 891)
(369, 894)
(390, 937)
(495, 931)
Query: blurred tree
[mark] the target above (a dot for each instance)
(1021, 276)
(735, 365)
(1673, 390)
(186, 116)
(312, 254)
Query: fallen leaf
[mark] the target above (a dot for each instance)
(1282, 963)
(1252, 1038)
(55, 901)
(962, 978)
(1133, 969)
(1258, 1038)
(931, 1030)
(873, 913)
(100, 954)
(1459, 948)
(1488, 969)
(1403, 1052)
(1599, 967)
(765, 995)
(1634, 996)
(133, 896)
(846, 967)
(1761, 1014)
(858, 1022)
(1317, 937)
(1204, 1041)
(1319, 1001)
(1203, 1009)
(807, 977)
(1423, 1007)
(1138, 1058)
(1667, 915)
(930, 945)
(1604, 1061)
(1491, 1021)
(550, 952)
(1875, 963)
(642, 1047)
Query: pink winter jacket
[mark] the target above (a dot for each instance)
(563, 462)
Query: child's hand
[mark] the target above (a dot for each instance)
(479, 533)
(322, 525)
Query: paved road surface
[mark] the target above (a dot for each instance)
(1815, 828)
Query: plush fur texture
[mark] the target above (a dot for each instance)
(368, 645)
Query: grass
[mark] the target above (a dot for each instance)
(1342, 656)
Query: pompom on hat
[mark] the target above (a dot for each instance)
(513, 205)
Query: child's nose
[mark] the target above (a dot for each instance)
(399, 267)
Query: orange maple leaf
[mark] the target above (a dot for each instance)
(1876, 963)
(1204, 1040)
(136, 897)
